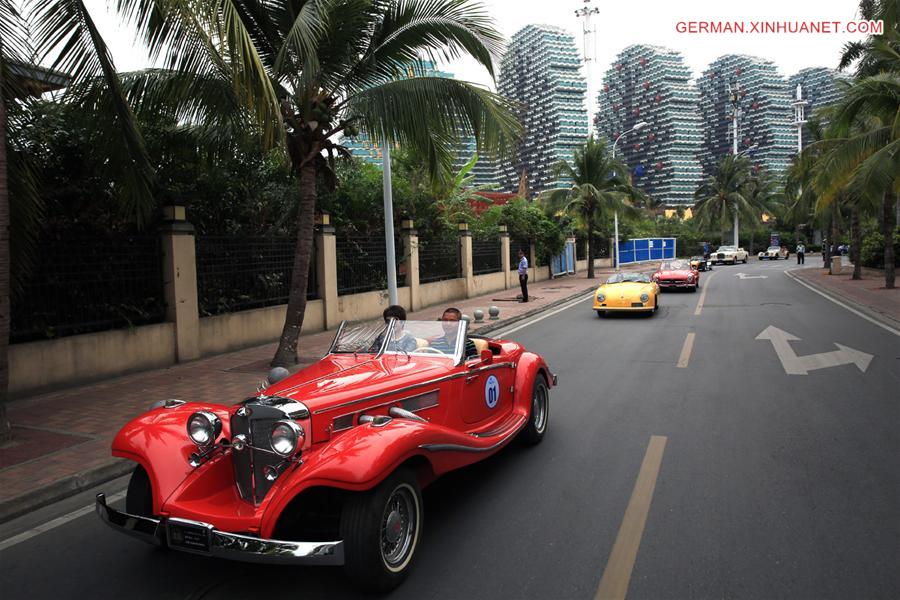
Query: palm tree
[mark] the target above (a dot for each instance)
(5, 430)
(303, 72)
(600, 187)
(723, 196)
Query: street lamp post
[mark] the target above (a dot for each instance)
(389, 223)
(637, 127)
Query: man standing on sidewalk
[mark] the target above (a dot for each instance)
(801, 251)
(523, 275)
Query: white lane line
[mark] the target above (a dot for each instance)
(839, 303)
(505, 332)
(53, 524)
(703, 294)
(685, 357)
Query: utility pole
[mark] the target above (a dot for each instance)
(389, 252)
(637, 127)
(590, 56)
(734, 97)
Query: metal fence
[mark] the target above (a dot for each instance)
(87, 284)
(237, 273)
(516, 244)
(581, 249)
(486, 255)
(362, 262)
(439, 259)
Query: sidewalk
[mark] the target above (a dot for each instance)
(867, 294)
(62, 439)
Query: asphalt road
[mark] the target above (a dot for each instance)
(769, 485)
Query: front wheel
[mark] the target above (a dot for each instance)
(139, 497)
(540, 412)
(381, 529)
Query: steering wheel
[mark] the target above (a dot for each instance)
(431, 350)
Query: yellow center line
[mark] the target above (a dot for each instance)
(703, 294)
(685, 357)
(614, 583)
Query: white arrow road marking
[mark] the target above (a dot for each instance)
(801, 365)
(745, 276)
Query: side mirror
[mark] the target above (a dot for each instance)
(487, 357)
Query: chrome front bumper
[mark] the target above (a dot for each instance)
(203, 538)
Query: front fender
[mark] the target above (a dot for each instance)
(158, 441)
(530, 366)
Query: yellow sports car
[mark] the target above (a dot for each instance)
(627, 292)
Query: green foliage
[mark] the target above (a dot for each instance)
(873, 246)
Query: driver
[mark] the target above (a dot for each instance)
(447, 342)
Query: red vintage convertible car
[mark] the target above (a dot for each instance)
(325, 467)
(677, 274)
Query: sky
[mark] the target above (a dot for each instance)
(620, 24)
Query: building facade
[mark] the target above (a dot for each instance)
(649, 84)
(765, 114)
(485, 171)
(541, 70)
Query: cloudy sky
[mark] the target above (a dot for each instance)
(620, 24)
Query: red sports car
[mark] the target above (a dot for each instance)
(325, 467)
(677, 274)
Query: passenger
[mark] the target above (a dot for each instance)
(447, 343)
(402, 341)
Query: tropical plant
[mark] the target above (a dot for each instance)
(600, 187)
(303, 72)
(454, 198)
(723, 196)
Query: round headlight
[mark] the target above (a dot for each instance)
(600, 297)
(287, 437)
(204, 427)
(645, 298)
(690, 277)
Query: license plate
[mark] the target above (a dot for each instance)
(184, 535)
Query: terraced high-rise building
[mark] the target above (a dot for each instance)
(766, 115)
(652, 84)
(820, 88)
(485, 171)
(541, 70)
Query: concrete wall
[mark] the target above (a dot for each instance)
(441, 292)
(80, 358)
(368, 305)
(233, 331)
(489, 282)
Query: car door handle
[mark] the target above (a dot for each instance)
(471, 378)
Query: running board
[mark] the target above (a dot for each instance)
(511, 432)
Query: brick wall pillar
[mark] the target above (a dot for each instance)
(410, 239)
(180, 281)
(465, 258)
(326, 269)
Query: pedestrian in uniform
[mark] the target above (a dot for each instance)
(523, 275)
(801, 251)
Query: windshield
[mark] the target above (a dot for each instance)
(427, 338)
(629, 278)
(774, 248)
(424, 338)
(725, 248)
(674, 265)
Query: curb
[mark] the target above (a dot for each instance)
(502, 324)
(62, 489)
(863, 310)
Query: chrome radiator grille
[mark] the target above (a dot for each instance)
(255, 422)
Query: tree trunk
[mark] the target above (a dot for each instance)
(855, 243)
(887, 229)
(5, 430)
(286, 354)
(590, 249)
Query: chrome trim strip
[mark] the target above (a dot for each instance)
(461, 448)
(336, 336)
(415, 386)
(230, 546)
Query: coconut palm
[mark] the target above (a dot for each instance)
(303, 72)
(723, 196)
(600, 187)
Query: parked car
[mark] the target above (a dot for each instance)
(701, 263)
(326, 466)
(677, 273)
(627, 292)
(774, 253)
(730, 254)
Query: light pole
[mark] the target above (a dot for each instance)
(734, 98)
(389, 222)
(637, 127)
(588, 54)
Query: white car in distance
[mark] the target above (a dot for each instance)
(729, 255)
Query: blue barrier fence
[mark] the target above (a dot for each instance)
(646, 249)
